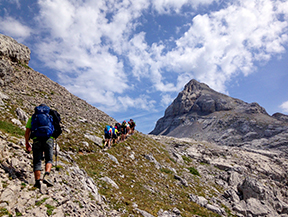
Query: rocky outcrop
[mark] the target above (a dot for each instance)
(14, 51)
(254, 183)
(280, 116)
(74, 193)
(202, 113)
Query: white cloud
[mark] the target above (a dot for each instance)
(166, 6)
(75, 48)
(91, 43)
(14, 28)
(166, 100)
(217, 47)
(142, 102)
(228, 42)
(284, 107)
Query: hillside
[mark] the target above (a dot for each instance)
(145, 175)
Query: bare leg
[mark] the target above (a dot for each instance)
(37, 174)
(48, 167)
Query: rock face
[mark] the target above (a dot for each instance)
(202, 113)
(73, 194)
(13, 50)
(253, 182)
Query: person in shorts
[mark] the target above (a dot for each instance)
(115, 135)
(132, 126)
(40, 147)
(107, 136)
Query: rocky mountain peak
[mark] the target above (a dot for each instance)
(194, 85)
(202, 113)
(199, 98)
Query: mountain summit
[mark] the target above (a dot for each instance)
(201, 113)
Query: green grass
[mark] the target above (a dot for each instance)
(4, 184)
(40, 202)
(59, 167)
(10, 128)
(50, 209)
(193, 171)
(139, 180)
(23, 185)
(165, 170)
(186, 159)
(19, 214)
(4, 211)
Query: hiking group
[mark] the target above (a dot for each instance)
(43, 128)
(118, 133)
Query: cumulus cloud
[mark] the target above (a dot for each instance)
(225, 43)
(14, 28)
(284, 107)
(96, 47)
(216, 47)
(79, 47)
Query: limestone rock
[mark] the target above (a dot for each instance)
(204, 114)
(22, 115)
(5, 72)
(14, 50)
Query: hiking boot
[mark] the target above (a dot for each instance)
(37, 184)
(47, 180)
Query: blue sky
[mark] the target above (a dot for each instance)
(131, 58)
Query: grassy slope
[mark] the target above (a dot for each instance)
(140, 182)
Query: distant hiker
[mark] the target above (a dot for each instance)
(124, 130)
(108, 136)
(118, 125)
(127, 129)
(132, 126)
(115, 133)
(42, 127)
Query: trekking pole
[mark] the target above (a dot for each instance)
(56, 154)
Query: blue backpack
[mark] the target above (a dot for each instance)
(107, 129)
(42, 123)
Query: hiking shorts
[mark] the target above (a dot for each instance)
(40, 146)
(107, 135)
(124, 130)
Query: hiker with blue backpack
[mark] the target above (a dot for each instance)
(43, 127)
(108, 136)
